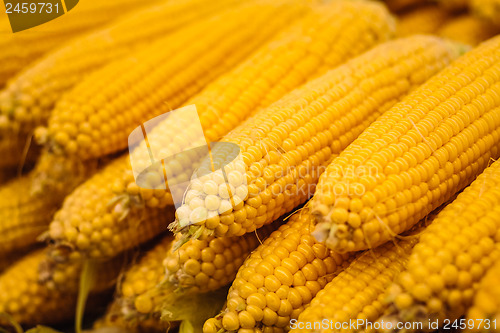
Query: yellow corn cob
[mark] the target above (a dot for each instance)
(28, 203)
(199, 267)
(402, 5)
(422, 20)
(30, 96)
(286, 146)
(79, 233)
(32, 302)
(486, 303)
(468, 29)
(358, 292)
(24, 216)
(115, 196)
(452, 256)
(415, 157)
(184, 63)
(487, 9)
(277, 280)
(27, 301)
(24, 47)
(307, 49)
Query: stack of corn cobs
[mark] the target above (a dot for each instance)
(363, 196)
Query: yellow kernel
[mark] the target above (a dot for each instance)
(246, 319)
(230, 321)
(257, 280)
(247, 289)
(143, 304)
(285, 308)
(270, 317)
(82, 242)
(272, 283)
(283, 275)
(225, 207)
(434, 305)
(198, 214)
(226, 191)
(449, 275)
(192, 267)
(421, 292)
(255, 311)
(355, 205)
(257, 300)
(354, 220)
(210, 187)
(235, 178)
(212, 202)
(273, 301)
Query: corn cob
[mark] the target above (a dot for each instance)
(27, 301)
(307, 49)
(188, 60)
(24, 216)
(286, 146)
(452, 256)
(199, 267)
(468, 29)
(487, 9)
(121, 174)
(422, 20)
(415, 157)
(24, 47)
(30, 96)
(486, 304)
(78, 233)
(28, 203)
(31, 302)
(141, 277)
(358, 292)
(277, 280)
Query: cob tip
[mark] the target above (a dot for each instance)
(188, 233)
